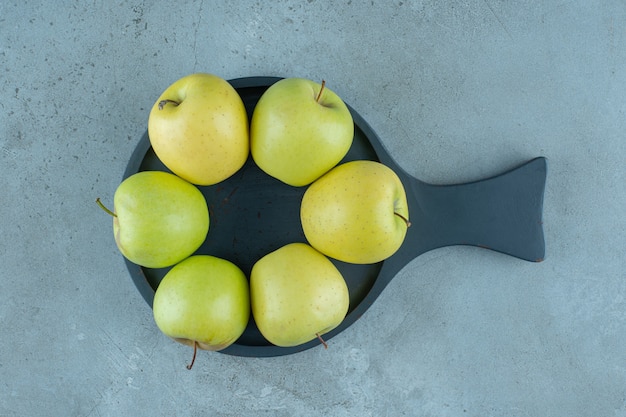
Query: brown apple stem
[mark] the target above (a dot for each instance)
(193, 359)
(162, 103)
(320, 93)
(104, 208)
(322, 340)
(408, 223)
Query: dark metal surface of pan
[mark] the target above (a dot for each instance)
(252, 214)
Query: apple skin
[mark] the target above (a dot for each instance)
(204, 139)
(349, 213)
(295, 138)
(160, 220)
(297, 294)
(203, 300)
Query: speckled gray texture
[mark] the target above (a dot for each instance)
(457, 90)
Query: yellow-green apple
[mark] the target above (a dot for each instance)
(204, 302)
(159, 218)
(356, 213)
(297, 294)
(198, 128)
(299, 130)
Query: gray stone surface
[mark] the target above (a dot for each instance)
(458, 90)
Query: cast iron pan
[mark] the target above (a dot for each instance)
(252, 214)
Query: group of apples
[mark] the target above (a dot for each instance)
(299, 132)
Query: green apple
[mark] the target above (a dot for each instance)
(159, 218)
(299, 130)
(297, 294)
(198, 128)
(204, 302)
(356, 213)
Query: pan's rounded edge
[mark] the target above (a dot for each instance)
(252, 82)
(381, 151)
(136, 158)
(139, 279)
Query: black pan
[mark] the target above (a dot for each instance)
(252, 214)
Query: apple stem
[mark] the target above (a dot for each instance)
(102, 206)
(162, 103)
(408, 223)
(322, 340)
(320, 93)
(193, 359)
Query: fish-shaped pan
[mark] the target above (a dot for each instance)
(252, 214)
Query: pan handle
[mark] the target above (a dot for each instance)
(502, 213)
